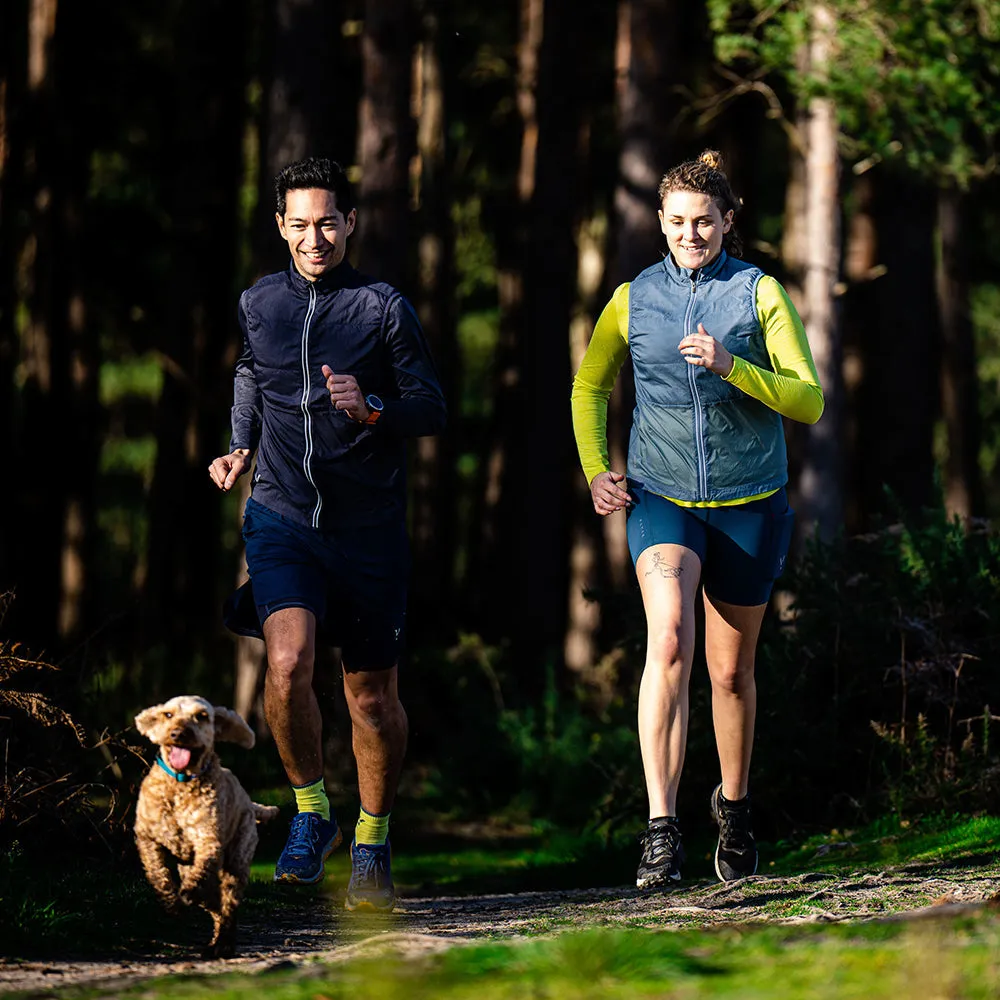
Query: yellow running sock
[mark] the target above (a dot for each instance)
(371, 829)
(312, 798)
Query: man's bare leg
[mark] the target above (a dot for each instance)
(379, 731)
(290, 704)
(379, 734)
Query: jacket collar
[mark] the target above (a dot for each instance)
(340, 277)
(684, 275)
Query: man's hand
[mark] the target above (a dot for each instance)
(607, 495)
(703, 350)
(226, 469)
(346, 395)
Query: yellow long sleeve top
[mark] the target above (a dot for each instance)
(792, 388)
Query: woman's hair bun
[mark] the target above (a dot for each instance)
(711, 158)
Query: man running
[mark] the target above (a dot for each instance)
(335, 375)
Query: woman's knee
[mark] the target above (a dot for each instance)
(667, 647)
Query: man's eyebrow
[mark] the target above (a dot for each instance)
(325, 218)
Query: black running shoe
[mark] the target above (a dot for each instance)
(736, 855)
(662, 854)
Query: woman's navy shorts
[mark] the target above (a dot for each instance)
(742, 548)
(353, 580)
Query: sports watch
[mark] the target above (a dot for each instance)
(374, 405)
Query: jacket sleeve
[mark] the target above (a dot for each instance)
(594, 382)
(793, 387)
(417, 406)
(246, 412)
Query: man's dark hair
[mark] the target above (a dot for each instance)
(314, 172)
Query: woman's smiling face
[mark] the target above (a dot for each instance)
(694, 226)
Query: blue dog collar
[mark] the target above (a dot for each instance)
(178, 775)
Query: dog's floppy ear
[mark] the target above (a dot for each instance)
(147, 720)
(229, 726)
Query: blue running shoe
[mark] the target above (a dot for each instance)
(371, 885)
(311, 841)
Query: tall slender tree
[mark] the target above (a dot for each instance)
(386, 141)
(433, 479)
(204, 121)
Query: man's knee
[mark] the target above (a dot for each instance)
(734, 678)
(289, 664)
(374, 697)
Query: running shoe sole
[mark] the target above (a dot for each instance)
(367, 904)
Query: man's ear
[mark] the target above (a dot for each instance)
(281, 225)
(352, 220)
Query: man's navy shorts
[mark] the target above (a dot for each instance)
(742, 547)
(353, 580)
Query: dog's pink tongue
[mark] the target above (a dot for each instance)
(178, 758)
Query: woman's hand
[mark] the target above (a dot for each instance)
(607, 495)
(704, 350)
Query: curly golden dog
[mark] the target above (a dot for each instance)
(195, 826)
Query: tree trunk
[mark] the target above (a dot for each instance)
(488, 559)
(385, 142)
(433, 479)
(15, 120)
(532, 461)
(32, 179)
(581, 649)
(963, 489)
(197, 323)
(311, 93)
(900, 397)
(820, 488)
(860, 327)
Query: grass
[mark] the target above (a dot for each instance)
(946, 958)
(87, 910)
(891, 842)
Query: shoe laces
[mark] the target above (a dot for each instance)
(369, 864)
(304, 834)
(734, 826)
(659, 842)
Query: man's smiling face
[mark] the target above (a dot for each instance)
(315, 229)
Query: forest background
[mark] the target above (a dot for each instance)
(506, 158)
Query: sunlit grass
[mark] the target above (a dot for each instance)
(945, 958)
(892, 843)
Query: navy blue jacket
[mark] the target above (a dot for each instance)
(314, 464)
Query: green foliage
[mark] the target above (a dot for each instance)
(916, 79)
(875, 691)
(562, 761)
(574, 764)
(984, 307)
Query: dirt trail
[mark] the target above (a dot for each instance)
(319, 931)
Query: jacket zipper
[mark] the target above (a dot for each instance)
(306, 415)
(699, 418)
